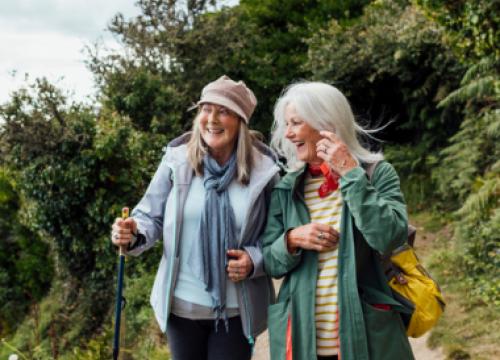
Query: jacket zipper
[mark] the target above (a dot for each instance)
(172, 256)
(249, 337)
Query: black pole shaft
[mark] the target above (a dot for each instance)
(116, 342)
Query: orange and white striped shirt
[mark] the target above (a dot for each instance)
(327, 211)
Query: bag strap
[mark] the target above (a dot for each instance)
(412, 230)
(385, 260)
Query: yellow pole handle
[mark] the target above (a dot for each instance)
(123, 248)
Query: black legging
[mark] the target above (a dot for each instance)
(197, 340)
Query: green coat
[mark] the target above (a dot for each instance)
(373, 218)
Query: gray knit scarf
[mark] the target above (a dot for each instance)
(216, 234)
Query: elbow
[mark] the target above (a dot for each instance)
(397, 240)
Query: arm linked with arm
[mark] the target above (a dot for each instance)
(277, 260)
(254, 249)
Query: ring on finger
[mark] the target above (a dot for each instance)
(115, 236)
(324, 148)
(235, 274)
(320, 236)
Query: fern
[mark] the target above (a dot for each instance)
(481, 203)
(476, 90)
(483, 66)
(494, 123)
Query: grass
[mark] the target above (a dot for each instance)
(470, 327)
(141, 337)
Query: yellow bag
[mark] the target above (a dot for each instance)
(414, 283)
(411, 284)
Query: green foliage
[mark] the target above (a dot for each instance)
(73, 186)
(473, 26)
(394, 57)
(414, 167)
(480, 242)
(77, 166)
(100, 347)
(284, 26)
(392, 60)
(153, 106)
(25, 259)
(469, 168)
(60, 320)
(175, 54)
(177, 50)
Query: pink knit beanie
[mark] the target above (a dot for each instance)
(231, 94)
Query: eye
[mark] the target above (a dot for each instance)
(206, 109)
(224, 111)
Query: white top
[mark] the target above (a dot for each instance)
(188, 287)
(327, 211)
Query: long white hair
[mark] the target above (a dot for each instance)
(323, 107)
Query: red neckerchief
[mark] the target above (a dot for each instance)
(331, 182)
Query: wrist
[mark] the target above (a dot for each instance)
(346, 169)
(289, 243)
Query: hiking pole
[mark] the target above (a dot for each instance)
(123, 252)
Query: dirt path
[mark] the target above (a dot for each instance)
(419, 346)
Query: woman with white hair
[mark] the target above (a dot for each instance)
(326, 225)
(209, 200)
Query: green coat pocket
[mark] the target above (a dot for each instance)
(385, 334)
(277, 324)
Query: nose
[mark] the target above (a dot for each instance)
(212, 117)
(288, 133)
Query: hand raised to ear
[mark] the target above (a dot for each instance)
(335, 153)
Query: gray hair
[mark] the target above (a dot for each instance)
(323, 107)
(245, 158)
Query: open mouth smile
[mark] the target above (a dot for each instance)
(215, 131)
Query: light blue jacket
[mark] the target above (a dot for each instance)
(159, 213)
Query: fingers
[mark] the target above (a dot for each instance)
(237, 273)
(322, 156)
(243, 260)
(121, 233)
(120, 239)
(236, 253)
(325, 228)
(306, 237)
(331, 136)
(239, 269)
(131, 224)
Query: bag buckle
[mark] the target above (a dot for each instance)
(400, 277)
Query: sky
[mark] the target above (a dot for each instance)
(46, 38)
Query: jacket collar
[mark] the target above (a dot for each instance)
(177, 143)
(293, 181)
(265, 164)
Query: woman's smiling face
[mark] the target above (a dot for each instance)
(219, 128)
(303, 136)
